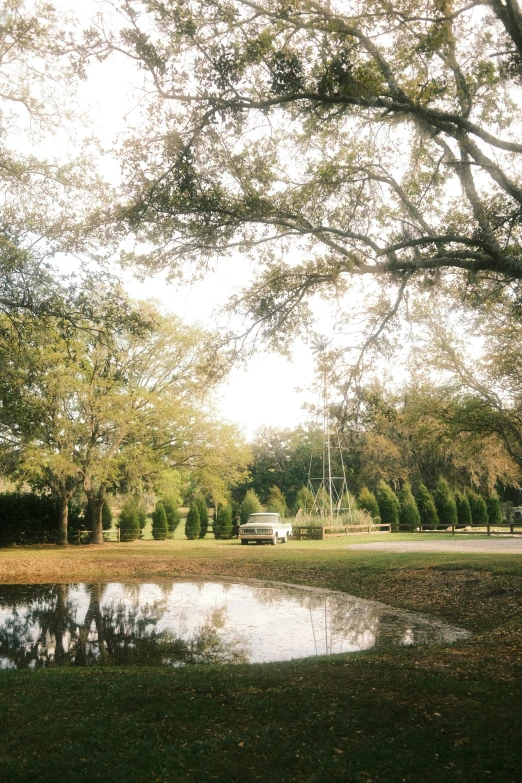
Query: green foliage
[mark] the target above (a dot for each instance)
(129, 520)
(192, 523)
(160, 526)
(463, 509)
(201, 504)
(250, 505)
(27, 518)
(494, 510)
(479, 509)
(409, 513)
(172, 512)
(223, 522)
(141, 510)
(389, 506)
(426, 506)
(304, 500)
(276, 502)
(445, 503)
(368, 502)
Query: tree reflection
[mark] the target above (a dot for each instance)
(39, 627)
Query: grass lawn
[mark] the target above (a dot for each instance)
(416, 714)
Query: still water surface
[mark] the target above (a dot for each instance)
(177, 623)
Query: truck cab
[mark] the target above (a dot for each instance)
(265, 527)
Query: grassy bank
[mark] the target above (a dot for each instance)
(423, 714)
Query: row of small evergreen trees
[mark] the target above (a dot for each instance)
(442, 507)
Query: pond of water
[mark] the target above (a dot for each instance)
(213, 621)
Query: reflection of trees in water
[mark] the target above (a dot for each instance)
(122, 624)
(41, 629)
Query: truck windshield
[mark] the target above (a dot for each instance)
(263, 519)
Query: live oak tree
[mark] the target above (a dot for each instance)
(330, 140)
(93, 410)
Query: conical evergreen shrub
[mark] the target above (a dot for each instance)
(192, 525)
(426, 506)
(445, 503)
(223, 522)
(494, 510)
(479, 510)
(200, 502)
(250, 505)
(389, 505)
(409, 516)
(171, 510)
(368, 502)
(276, 502)
(129, 521)
(160, 526)
(463, 509)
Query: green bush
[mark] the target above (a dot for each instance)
(172, 513)
(304, 500)
(463, 509)
(368, 502)
(445, 503)
(201, 504)
(276, 502)
(129, 520)
(389, 505)
(223, 522)
(494, 510)
(250, 505)
(409, 516)
(160, 526)
(426, 506)
(192, 524)
(26, 518)
(479, 509)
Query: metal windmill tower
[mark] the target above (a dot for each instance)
(330, 491)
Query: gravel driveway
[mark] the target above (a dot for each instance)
(501, 546)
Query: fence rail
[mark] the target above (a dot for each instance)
(482, 530)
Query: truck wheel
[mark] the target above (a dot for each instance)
(284, 540)
(244, 541)
(274, 541)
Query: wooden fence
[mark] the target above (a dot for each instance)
(489, 530)
(320, 532)
(82, 535)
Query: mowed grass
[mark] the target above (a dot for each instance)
(440, 713)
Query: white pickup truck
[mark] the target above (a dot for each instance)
(266, 527)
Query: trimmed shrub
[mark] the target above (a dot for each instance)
(479, 510)
(129, 520)
(192, 523)
(200, 502)
(463, 509)
(172, 513)
(368, 502)
(27, 518)
(160, 526)
(445, 503)
(223, 522)
(250, 505)
(409, 516)
(389, 505)
(494, 510)
(276, 502)
(426, 506)
(304, 500)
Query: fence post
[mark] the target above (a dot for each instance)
(453, 530)
(323, 534)
(489, 529)
(118, 529)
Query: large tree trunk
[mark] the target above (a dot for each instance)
(63, 500)
(96, 502)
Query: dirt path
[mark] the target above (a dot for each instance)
(497, 546)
